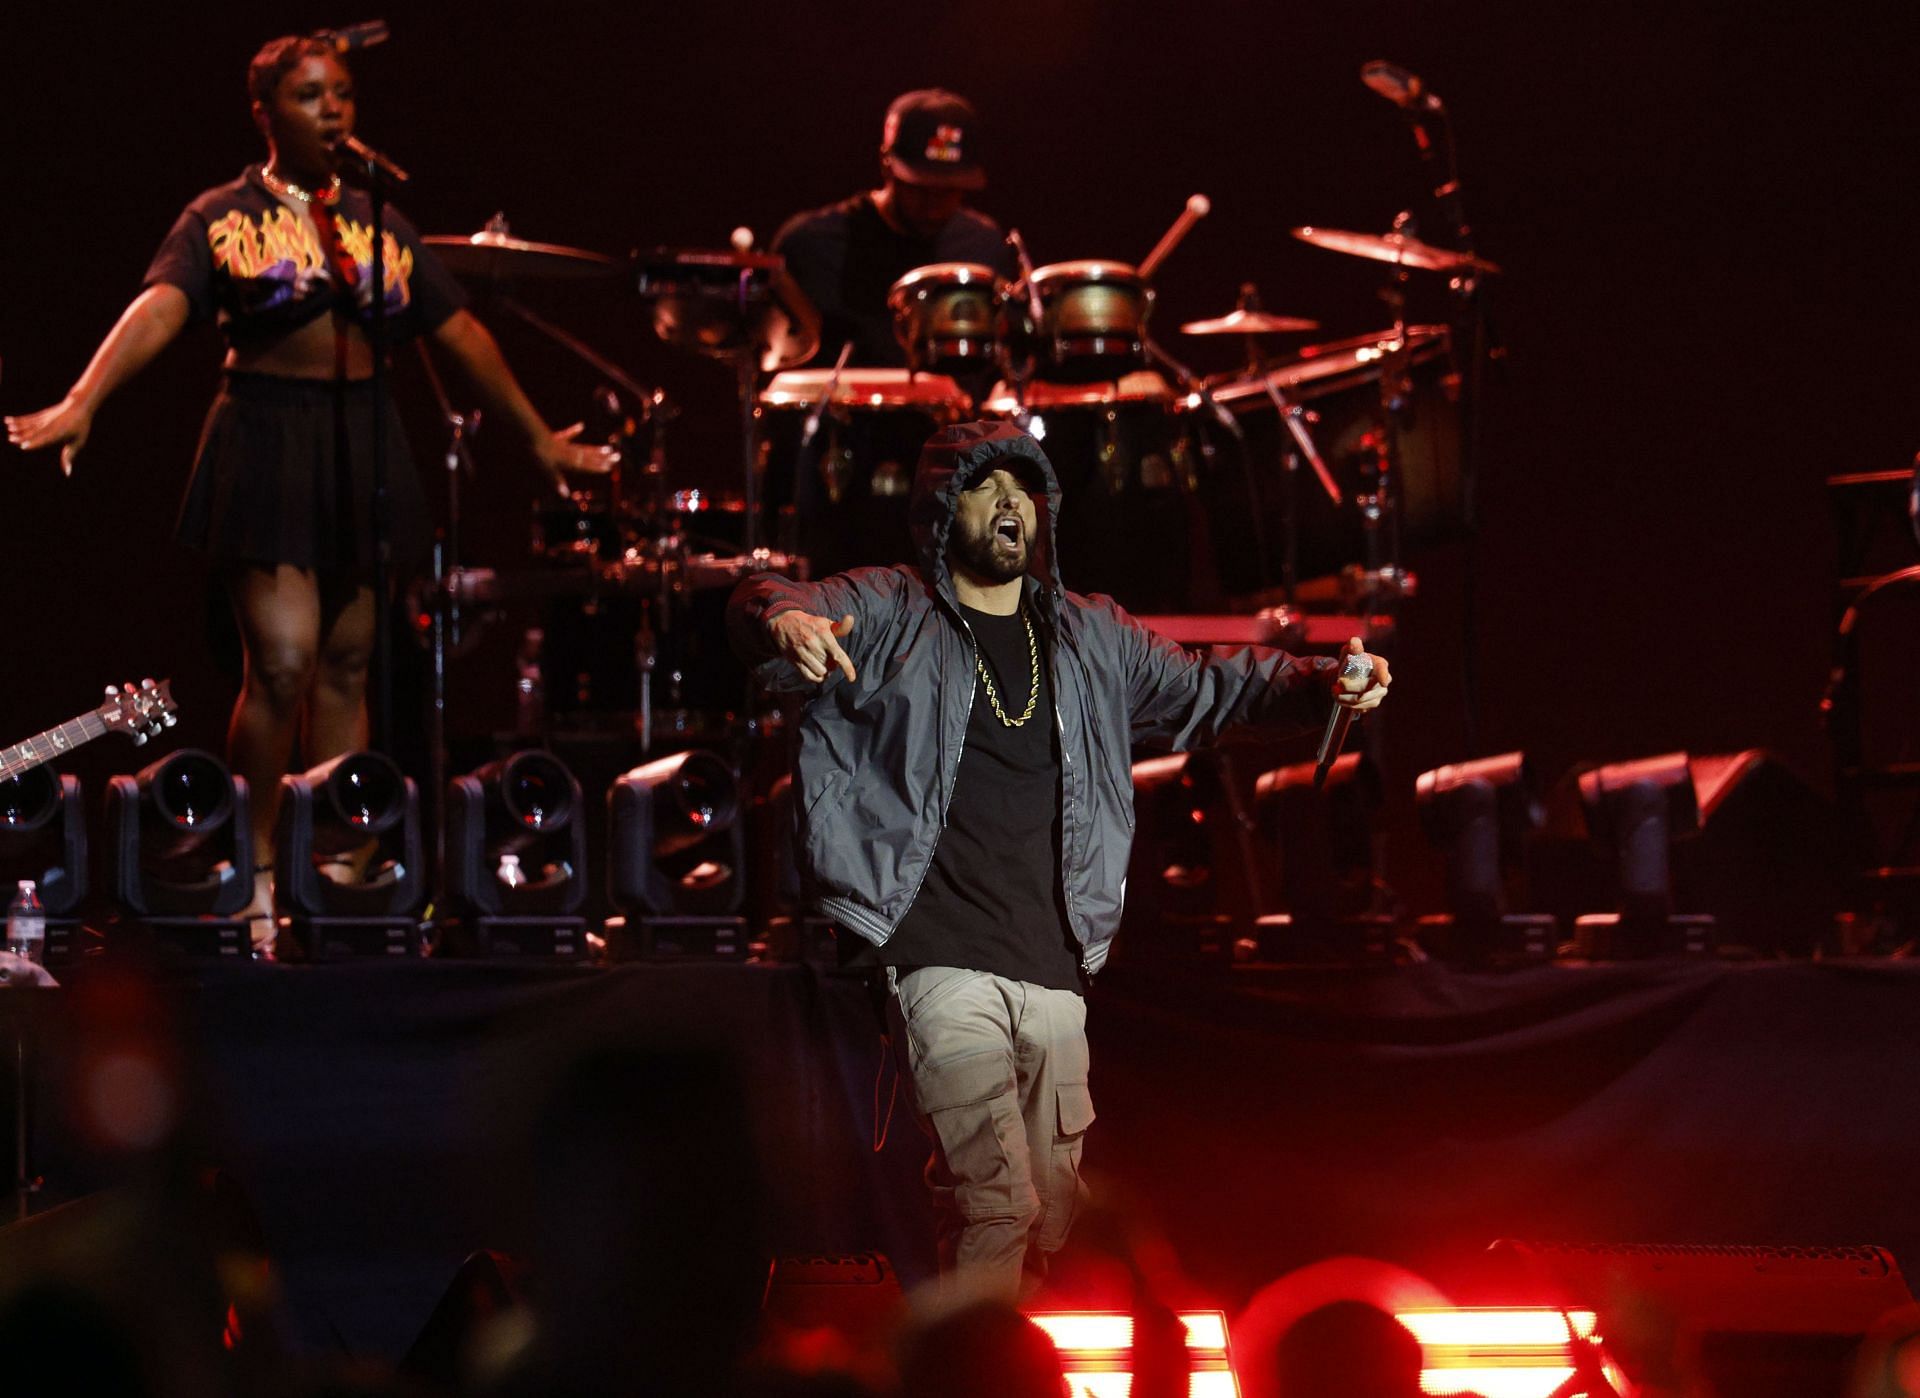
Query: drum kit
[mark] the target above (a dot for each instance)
(1181, 490)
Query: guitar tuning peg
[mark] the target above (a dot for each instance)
(168, 720)
(140, 737)
(113, 691)
(147, 685)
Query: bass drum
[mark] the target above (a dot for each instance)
(840, 499)
(1245, 485)
(1125, 459)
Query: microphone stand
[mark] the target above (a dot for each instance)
(377, 169)
(1471, 347)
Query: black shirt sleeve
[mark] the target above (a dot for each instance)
(184, 261)
(434, 293)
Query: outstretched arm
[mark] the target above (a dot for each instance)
(473, 345)
(791, 632)
(1182, 699)
(145, 328)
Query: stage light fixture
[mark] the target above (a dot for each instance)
(43, 837)
(347, 859)
(1634, 812)
(674, 862)
(1328, 886)
(1191, 887)
(1096, 1352)
(1480, 816)
(180, 852)
(516, 860)
(1513, 1352)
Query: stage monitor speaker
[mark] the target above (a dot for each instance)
(1746, 1321)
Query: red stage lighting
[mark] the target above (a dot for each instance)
(1096, 1352)
(1513, 1352)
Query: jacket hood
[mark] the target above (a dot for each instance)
(953, 459)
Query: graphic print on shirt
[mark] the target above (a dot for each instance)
(276, 259)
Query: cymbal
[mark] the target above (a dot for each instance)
(1396, 248)
(496, 257)
(1246, 322)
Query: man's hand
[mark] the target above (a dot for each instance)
(809, 643)
(1362, 696)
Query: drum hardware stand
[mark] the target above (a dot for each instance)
(1196, 387)
(1294, 417)
(461, 428)
(1471, 325)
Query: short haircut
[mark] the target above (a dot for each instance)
(277, 58)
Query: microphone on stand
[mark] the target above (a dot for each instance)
(359, 150)
(1019, 246)
(1334, 737)
(819, 409)
(354, 36)
(1400, 87)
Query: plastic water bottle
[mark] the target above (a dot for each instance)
(510, 873)
(27, 923)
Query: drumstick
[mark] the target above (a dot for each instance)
(1198, 207)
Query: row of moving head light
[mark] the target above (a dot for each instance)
(1670, 854)
(348, 844)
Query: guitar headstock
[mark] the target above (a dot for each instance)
(139, 710)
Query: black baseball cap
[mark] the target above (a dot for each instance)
(932, 138)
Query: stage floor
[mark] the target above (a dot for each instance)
(1264, 1119)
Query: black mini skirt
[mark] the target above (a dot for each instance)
(284, 474)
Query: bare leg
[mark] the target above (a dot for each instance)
(278, 609)
(337, 711)
(337, 715)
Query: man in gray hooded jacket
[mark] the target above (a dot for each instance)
(964, 788)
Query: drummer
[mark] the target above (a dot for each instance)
(847, 255)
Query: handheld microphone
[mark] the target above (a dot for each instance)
(354, 36)
(1334, 737)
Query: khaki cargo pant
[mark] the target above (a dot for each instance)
(997, 1070)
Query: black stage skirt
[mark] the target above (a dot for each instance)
(284, 474)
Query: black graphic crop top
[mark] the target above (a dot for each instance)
(242, 255)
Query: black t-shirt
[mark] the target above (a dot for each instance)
(846, 258)
(992, 900)
(241, 253)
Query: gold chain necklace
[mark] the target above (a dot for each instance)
(1033, 661)
(280, 184)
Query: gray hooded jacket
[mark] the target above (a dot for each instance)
(878, 755)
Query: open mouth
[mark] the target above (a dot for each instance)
(1007, 531)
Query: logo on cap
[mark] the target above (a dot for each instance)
(945, 145)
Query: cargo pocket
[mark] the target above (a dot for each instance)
(1064, 1189)
(972, 1110)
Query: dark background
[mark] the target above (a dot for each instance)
(1705, 216)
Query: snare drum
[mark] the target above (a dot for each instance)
(1093, 320)
(944, 316)
(840, 499)
(1125, 462)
